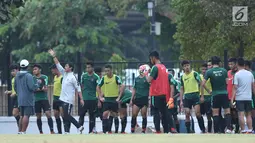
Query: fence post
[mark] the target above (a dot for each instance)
(226, 58)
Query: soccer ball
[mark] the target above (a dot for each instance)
(144, 69)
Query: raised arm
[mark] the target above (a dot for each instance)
(59, 67)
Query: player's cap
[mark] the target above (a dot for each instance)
(24, 63)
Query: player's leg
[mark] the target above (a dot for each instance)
(240, 107)
(248, 109)
(253, 113)
(226, 106)
(215, 112)
(123, 117)
(161, 104)
(156, 114)
(92, 116)
(171, 121)
(144, 116)
(187, 108)
(234, 119)
(38, 112)
(110, 122)
(176, 121)
(67, 108)
(106, 113)
(56, 108)
(200, 119)
(47, 111)
(135, 111)
(209, 115)
(15, 110)
(26, 113)
(82, 112)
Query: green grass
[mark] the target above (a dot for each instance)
(128, 138)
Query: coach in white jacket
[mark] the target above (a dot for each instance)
(69, 86)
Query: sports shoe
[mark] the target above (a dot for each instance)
(228, 131)
(81, 129)
(67, 133)
(173, 131)
(52, 132)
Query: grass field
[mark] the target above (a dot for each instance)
(128, 138)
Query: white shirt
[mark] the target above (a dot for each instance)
(69, 86)
(243, 79)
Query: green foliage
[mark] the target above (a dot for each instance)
(67, 26)
(204, 28)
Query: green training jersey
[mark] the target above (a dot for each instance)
(89, 84)
(125, 98)
(217, 78)
(41, 81)
(141, 87)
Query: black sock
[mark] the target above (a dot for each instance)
(133, 124)
(228, 121)
(105, 125)
(187, 124)
(39, 125)
(237, 125)
(116, 123)
(50, 123)
(201, 123)
(253, 123)
(92, 123)
(59, 126)
(110, 121)
(192, 124)
(144, 124)
(81, 120)
(123, 124)
(17, 119)
(177, 127)
(216, 122)
(209, 126)
(67, 125)
(156, 120)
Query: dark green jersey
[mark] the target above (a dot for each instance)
(141, 87)
(89, 83)
(125, 98)
(154, 72)
(41, 81)
(217, 78)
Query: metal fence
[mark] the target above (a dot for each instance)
(126, 70)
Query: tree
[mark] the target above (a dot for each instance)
(68, 26)
(204, 28)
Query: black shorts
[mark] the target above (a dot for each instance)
(110, 106)
(123, 105)
(244, 106)
(42, 105)
(158, 103)
(89, 106)
(57, 105)
(220, 101)
(173, 111)
(206, 108)
(189, 103)
(141, 102)
(14, 102)
(26, 110)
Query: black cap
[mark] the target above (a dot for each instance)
(53, 66)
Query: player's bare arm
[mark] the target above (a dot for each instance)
(100, 94)
(202, 92)
(121, 89)
(132, 97)
(181, 95)
(233, 95)
(149, 79)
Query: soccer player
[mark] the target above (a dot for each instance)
(113, 89)
(89, 81)
(233, 69)
(70, 86)
(177, 86)
(248, 67)
(218, 78)
(139, 101)
(242, 92)
(125, 99)
(56, 94)
(25, 86)
(190, 82)
(205, 107)
(159, 89)
(41, 98)
(13, 94)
